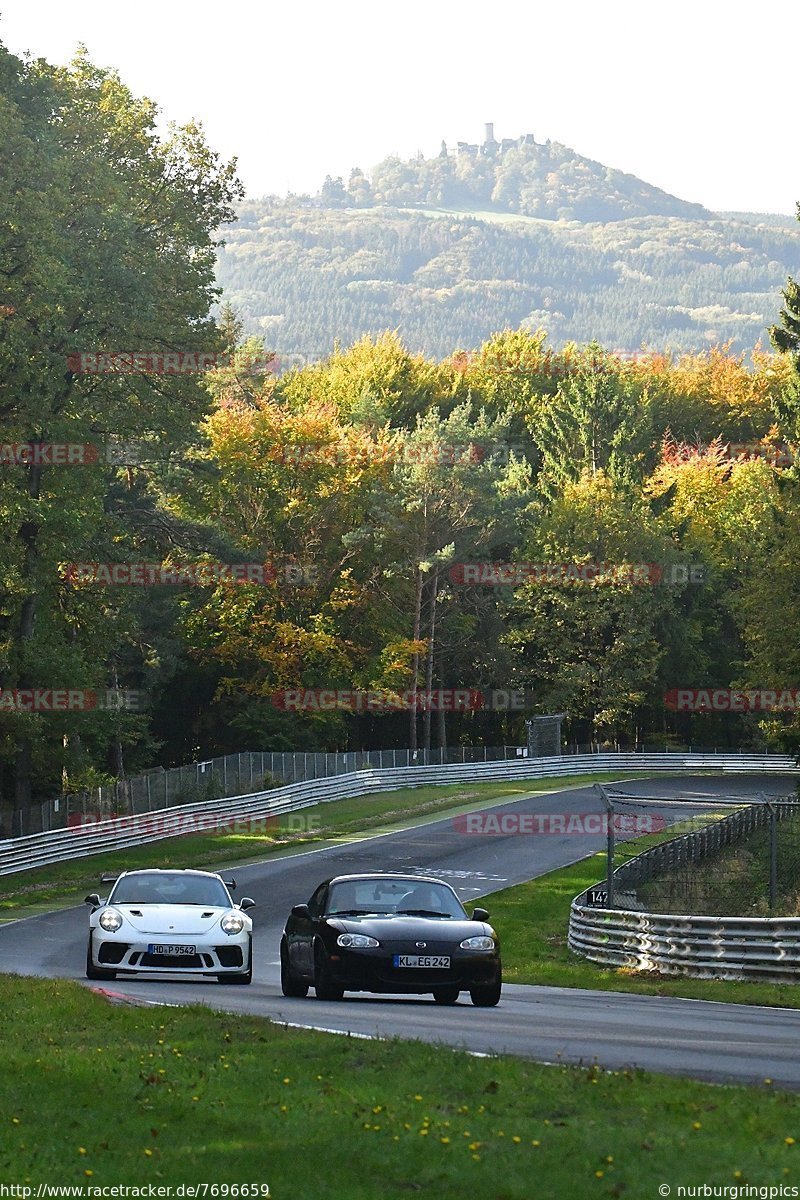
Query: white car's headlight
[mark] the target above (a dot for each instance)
(356, 941)
(110, 920)
(481, 942)
(232, 922)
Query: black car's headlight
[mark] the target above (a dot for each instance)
(480, 942)
(232, 922)
(110, 920)
(356, 941)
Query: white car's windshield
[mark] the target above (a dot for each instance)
(149, 888)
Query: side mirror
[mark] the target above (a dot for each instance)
(246, 902)
(94, 900)
(480, 914)
(300, 910)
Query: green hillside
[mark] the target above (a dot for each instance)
(304, 276)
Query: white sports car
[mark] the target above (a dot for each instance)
(170, 922)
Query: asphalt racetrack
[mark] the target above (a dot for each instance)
(720, 1042)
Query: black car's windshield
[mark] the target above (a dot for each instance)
(392, 897)
(169, 888)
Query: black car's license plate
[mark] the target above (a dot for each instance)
(422, 960)
(171, 950)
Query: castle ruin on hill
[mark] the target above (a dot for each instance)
(489, 146)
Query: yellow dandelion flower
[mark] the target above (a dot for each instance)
(516, 1139)
(148, 1153)
(88, 1171)
(696, 1125)
(423, 1133)
(609, 1158)
(378, 1108)
(599, 1174)
(81, 1149)
(476, 1158)
(788, 1141)
(445, 1141)
(535, 1143)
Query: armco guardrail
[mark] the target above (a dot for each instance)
(39, 849)
(720, 947)
(707, 947)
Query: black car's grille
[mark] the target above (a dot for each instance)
(112, 952)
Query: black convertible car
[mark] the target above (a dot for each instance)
(389, 933)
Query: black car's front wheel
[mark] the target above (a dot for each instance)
(325, 987)
(447, 994)
(486, 995)
(93, 972)
(290, 984)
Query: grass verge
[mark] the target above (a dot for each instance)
(532, 920)
(27, 892)
(95, 1095)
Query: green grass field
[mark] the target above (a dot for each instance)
(95, 1095)
(532, 920)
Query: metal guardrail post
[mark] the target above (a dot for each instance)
(773, 852)
(609, 845)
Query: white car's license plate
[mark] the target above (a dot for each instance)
(171, 950)
(422, 960)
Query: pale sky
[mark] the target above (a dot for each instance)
(695, 96)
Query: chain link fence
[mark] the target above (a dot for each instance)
(229, 775)
(733, 859)
(250, 771)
